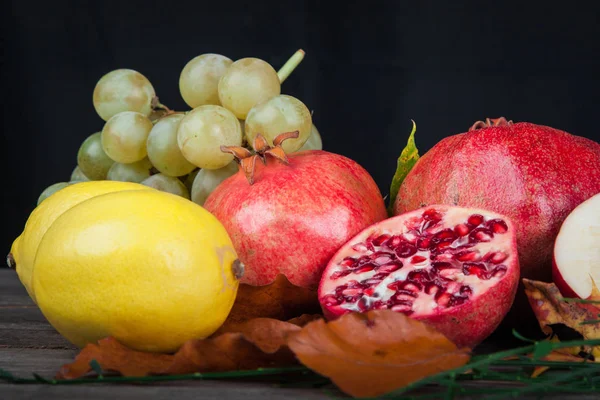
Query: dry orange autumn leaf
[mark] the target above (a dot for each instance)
(370, 354)
(260, 342)
(551, 309)
(279, 300)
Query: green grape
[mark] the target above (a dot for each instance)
(203, 131)
(199, 79)
(314, 141)
(124, 136)
(78, 176)
(247, 82)
(163, 150)
(167, 184)
(208, 179)
(135, 172)
(188, 181)
(50, 190)
(277, 115)
(92, 160)
(123, 90)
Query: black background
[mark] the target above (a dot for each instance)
(371, 66)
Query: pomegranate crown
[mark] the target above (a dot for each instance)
(247, 159)
(489, 122)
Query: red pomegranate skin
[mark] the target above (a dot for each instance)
(536, 175)
(294, 217)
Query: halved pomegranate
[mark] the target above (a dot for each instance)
(576, 267)
(452, 267)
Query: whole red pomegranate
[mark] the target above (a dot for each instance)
(292, 213)
(533, 174)
(455, 268)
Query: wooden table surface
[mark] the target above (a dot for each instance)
(29, 344)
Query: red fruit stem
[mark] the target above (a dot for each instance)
(247, 160)
(489, 123)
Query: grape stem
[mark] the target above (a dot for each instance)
(156, 104)
(290, 65)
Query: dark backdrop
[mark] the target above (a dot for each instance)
(370, 67)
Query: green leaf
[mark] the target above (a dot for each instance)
(406, 161)
(542, 349)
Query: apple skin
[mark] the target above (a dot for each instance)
(561, 284)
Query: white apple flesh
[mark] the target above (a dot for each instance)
(576, 267)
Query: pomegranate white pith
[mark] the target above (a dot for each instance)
(577, 251)
(443, 264)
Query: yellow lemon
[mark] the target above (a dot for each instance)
(24, 248)
(149, 268)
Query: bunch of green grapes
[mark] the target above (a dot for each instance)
(230, 103)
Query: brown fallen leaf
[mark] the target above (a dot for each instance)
(113, 356)
(260, 342)
(279, 300)
(551, 309)
(370, 354)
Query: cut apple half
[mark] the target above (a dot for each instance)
(576, 266)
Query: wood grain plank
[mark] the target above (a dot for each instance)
(12, 292)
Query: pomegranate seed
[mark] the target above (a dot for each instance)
(405, 292)
(476, 269)
(412, 287)
(432, 215)
(370, 246)
(363, 260)
(495, 257)
(450, 273)
(382, 258)
(443, 245)
(339, 289)
(340, 274)
(446, 234)
(466, 289)
(418, 275)
(360, 247)
(424, 243)
(475, 219)
(369, 291)
(443, 299)
(394, 242)
(394, 285)
(432, 288)
(468, 256)
(381, 239)
(497, 226)
(330, 300)
(499, 271)
(457, 301)
(347, 262)
(461, 230)
(418, 259)
(404, 298)
(389, 268)
(441, 265)
(362, 304)
(379, 276)
(405, 250)
(364, 268)
(379, 305)
(402, 307)
(481, 235)
(372, 281)
(352, 283)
